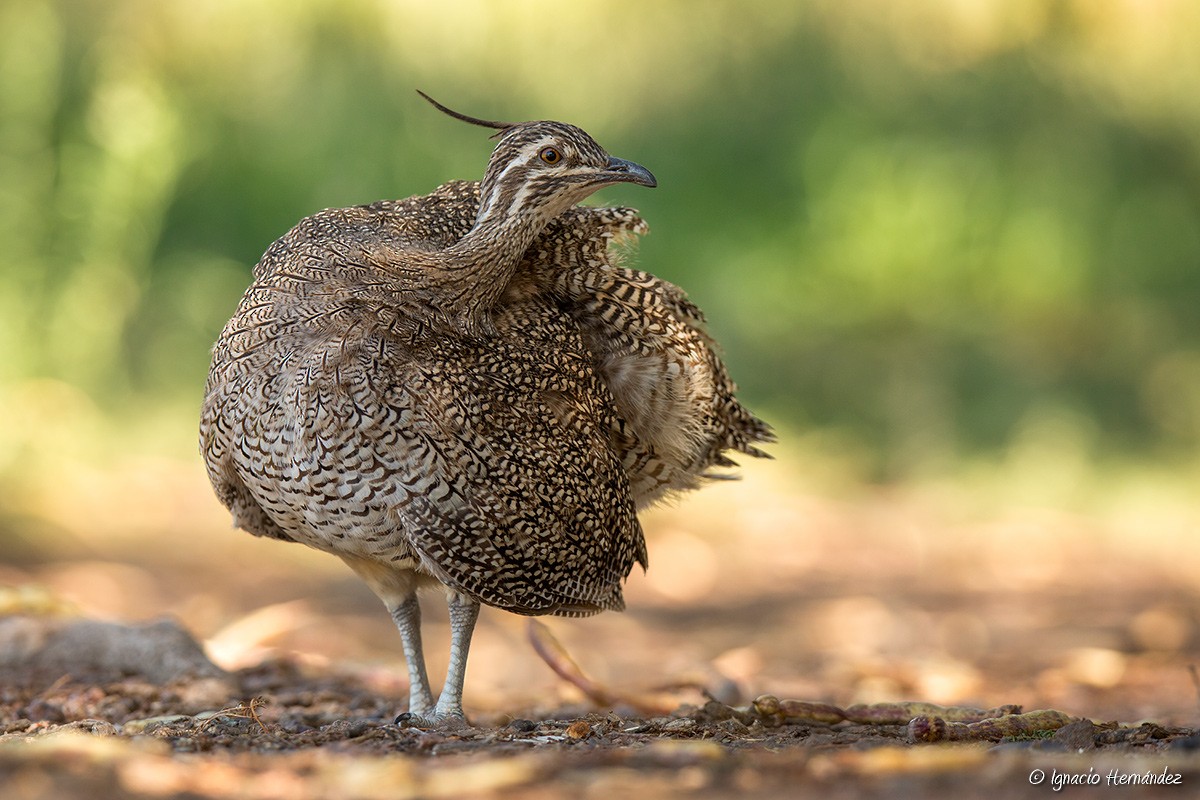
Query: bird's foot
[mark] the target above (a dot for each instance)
(433, 720)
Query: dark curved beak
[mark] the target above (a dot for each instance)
(619, 170)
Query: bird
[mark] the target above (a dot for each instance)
(469, 390)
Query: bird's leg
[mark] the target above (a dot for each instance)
(463, 613)
(407, 615)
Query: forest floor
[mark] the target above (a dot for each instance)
(851, 604)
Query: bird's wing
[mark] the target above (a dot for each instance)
(525, 504)
(675, 401)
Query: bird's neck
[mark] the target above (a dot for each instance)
(478, 267)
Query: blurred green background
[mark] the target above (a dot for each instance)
(929, 234)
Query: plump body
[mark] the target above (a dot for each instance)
(465, 389)
(507, 465)
(478, 460)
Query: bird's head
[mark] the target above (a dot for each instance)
(540, 169)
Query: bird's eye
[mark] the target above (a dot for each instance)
(550, 155)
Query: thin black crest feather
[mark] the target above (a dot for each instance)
(499, 127)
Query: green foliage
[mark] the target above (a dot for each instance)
(929, 231)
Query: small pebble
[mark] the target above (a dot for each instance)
(356, 728)
(579, 729)
(1187, 744)
(734, 726)
(150, 724)
(1079, 736)
(681, 724)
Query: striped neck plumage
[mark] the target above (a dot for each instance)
(476, 270)
(504, 229)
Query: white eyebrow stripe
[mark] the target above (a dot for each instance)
(523, 156)
(530, 150)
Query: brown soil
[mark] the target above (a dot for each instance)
(876, 599)
(318, 736)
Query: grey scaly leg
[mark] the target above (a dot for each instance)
(407, 616)
(463, 613)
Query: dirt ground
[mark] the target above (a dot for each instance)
(850, 600)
